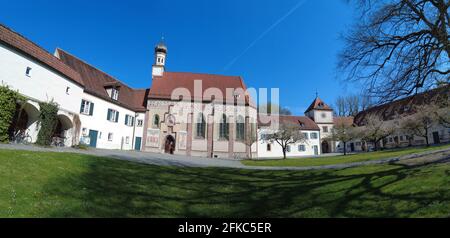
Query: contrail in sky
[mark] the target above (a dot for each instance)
(231, 63)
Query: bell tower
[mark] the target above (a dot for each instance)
(160, 59)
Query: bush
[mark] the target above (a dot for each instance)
(8, 102)
(48, 120)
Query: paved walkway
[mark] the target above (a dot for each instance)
(184, 161)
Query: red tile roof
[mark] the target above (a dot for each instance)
(347, 121)
(96, 82)
(162, 87)
(20, 43)
(318, 104)
(404, 106)
(305, 123)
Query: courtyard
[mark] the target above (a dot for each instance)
(62, 184)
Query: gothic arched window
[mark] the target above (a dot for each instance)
(200, 126)
(223, 132)
(156, 121)
(240, 128)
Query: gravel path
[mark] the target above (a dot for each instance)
(184, 161)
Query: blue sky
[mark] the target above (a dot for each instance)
(289, 44)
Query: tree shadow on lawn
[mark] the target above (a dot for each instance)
(112, 188)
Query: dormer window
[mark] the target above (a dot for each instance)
(115, 94)
(28, 71)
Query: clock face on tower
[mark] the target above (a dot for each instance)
(324, 115)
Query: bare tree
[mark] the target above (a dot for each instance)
(341, 106)
(285, 111)
(344, 133)
(375, 130)
(286, 135)
(421, 122)
(444, 117)
(366, 102)
(398, 47)
(272, 108)
(353, 104)
(443, 101)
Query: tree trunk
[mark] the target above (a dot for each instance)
(426, 139)
(284, 153)
(345, 148)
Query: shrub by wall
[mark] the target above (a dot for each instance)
(48, 120)
(8, 102)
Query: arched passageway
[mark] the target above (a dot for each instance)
(63, 132)
(24, 124)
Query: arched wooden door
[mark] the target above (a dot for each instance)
(169, 146)
(325, 147)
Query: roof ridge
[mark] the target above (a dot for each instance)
(40, 47)
(45, 51)
(408, 97)
(96, 68)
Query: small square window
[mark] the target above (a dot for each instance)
(140, 123)
(113, 115)
(28, 71)
(325, 129)
(110, 136)
(86, 107)
(306, 136)
(127, 140)
(68, 90)
(115, 94)
(129, 120)
(301, 148)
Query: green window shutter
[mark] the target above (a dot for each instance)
(126, 119)
(91, 110)
(117, 116)
(82, 106)
(132, 121)
(109, 115)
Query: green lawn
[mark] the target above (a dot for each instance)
(341, 159)
(70, 185)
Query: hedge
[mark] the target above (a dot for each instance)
(48, 120)
(8, 101)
